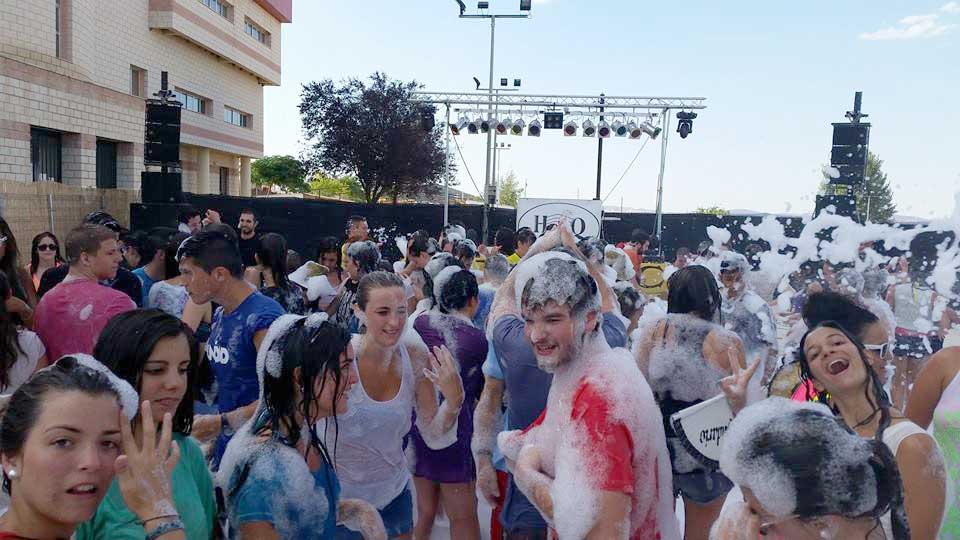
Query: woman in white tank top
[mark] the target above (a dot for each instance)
(397, 377)
(837, 364)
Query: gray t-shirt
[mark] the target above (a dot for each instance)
(526, 389)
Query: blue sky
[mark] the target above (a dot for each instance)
(775, 74)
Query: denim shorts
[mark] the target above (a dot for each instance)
(397, 518)
(701, 487)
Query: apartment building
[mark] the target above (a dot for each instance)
(74, 75)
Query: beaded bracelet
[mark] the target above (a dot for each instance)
(164, 528)
(145, 521)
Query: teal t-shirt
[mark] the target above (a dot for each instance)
(192, 495)
(146, 283)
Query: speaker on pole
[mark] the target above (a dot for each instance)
(161, 140)
(161, 187)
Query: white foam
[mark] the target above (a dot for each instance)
(129, 399)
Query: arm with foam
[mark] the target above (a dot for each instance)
(531, 480)
(362, 517)
(437, 423)
(486, 421)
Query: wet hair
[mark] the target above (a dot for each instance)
(506, 241)
(434, 266)
(874, 392)
(10, 350)
(465, 249)
(250, 212)
(212, 249)
(86, 239)
(187, 214)
(629, 300)
(35, 250)
(693, 289)
(128, 340)
(497, 268)
(839, 308)
(577, 290)
(272, 254)
(373, 281)
(526, 236)
(170, 264)
(315, 350)
(833, 470)
(366, 255)
(457, 291)
(592, 249)
(26, 404)
(420, 243)
(330, 244)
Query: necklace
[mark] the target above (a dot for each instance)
(867, 419)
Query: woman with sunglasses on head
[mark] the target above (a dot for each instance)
(44, 255)
(24, 298)
(805, 476)
(837, 365)
(278, 474)
(65, 436)
(156, 354)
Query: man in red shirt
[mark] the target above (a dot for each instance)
(70, 317)
(595, 463)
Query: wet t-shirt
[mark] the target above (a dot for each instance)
(71, 316)
(234, 357)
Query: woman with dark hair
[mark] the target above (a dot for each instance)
(170, 295)
(21, 283)
(419, 250)
(278, 474)
(270, 274)
(362, 258)
(156, 354)
(804, 475)
(44, 255)
(683, 356)
(21, 351)
(64, 435)
(397, 377)
(837, 364)
(448, 476)
(328, 254)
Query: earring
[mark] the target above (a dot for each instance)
(12, 473)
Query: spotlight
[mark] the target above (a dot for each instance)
(517, 128)
(474, 127)
(652, 131)
(570, 129)
(503, 126)
(589, 130)
(525, 5)
(534, 129)
(486, 124)
(604, 130)
(619, 129)
(685, 127)
(634, 131)
(483, 5)
(461, 125)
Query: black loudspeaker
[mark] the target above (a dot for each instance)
(553, 120)
(851, 134)
(161, 138)
(159, 187)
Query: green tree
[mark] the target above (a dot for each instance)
(510, 190)
(875, 198)
(285, 172)
(713, 210)
(344, 187)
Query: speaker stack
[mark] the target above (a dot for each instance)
(161, 148)
(848, 157)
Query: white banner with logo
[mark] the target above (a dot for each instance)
(585, 217)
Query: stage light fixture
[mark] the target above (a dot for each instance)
(589, 130)
(526, 5)
(652, 131)
(460, 126)
(474, 127)
(487, 123)
(685, 127)
(634, 131)
(603, 130)
(570, 129)
(619, 129)
(503, 126)
(518, 126)
(535, 128)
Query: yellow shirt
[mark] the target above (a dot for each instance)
(513, 259)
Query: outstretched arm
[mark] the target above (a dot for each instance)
(437, 423)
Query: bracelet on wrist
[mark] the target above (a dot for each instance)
(166, 516)
(164, 528)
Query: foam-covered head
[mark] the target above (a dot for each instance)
(799, 460)
(455, 289)
(440, 261)
(496, 268)
(365, 256)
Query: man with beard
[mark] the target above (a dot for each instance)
(249, 239)
(557, 349)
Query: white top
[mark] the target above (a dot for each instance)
(892, 437)
(371, 464)
(26, 362)
(169, 298)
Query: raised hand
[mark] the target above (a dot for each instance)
(734, 386)
(144, 469)
(445, 376)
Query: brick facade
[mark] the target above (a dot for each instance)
(85, 93)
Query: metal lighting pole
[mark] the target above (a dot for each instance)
(663, 166)
(446, 173)
(599, 150)
(490, 104)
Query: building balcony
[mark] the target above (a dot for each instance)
(219, 29)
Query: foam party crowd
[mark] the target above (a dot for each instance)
(208, 382)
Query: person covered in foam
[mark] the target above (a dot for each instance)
(746, 313)
(277, 474)
(595, 463)
(805, 475)
(683, 356)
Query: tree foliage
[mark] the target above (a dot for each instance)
(344, 187)
(510, 190)
(285, 172)
(374, 132)
(713, 210)
(876, 194)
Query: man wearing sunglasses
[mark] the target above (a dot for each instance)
(124, 280)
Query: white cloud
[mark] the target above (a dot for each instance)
(913, 27)
(951, 7)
